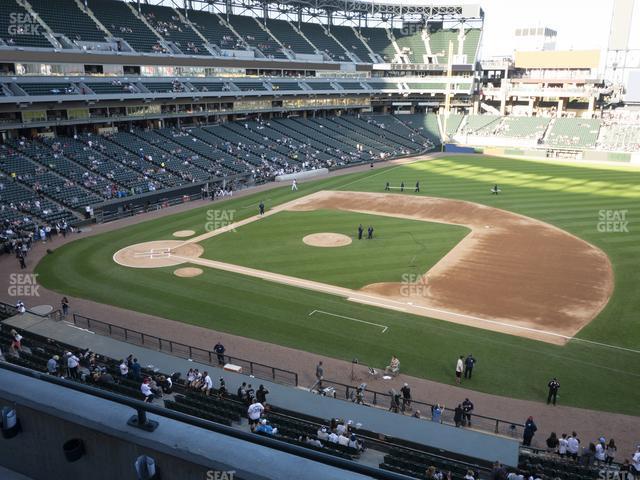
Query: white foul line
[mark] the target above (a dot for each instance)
(384, 327)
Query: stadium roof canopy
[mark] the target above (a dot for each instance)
(452, 11)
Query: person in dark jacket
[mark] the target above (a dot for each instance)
(530, 429)
(261, 395)
(469, 363)
(458, 415)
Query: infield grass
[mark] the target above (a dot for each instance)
(571, 197)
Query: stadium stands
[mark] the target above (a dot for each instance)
(254, 35)
(324, 42)
(424, 125)
(27, 34)
(619, 137)
(522, 127)
(411, 44)
(118, 18)
(210, 26)
(289, 37)
(67, 18)
(168, 23)
(379, 41)
(573, 132)
(347, 37)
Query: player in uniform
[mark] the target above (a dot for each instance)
(360, 230)
(387, 187)
(417, 186)
(261, 207)
(402, 186)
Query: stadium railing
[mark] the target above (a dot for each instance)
(142, 409)
(259, 370)
(7, 310)
(383, 400)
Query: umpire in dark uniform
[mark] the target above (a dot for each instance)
(261, 207)
(417, 186)
(402, 186)
(554, 386)
(360, 230)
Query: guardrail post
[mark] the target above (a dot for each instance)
(295, 376)
(210, 358)
(190, 353)
(497, 425)
(375, 398)
(142, 338)
(273, 373)
(125, 334)
(141, 421)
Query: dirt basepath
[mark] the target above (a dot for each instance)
(512, 273)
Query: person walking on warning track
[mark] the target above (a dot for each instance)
(261, 207)
(402, 186)
(554, 386)
(319, 376)
(417, 187)
(294, 185)
(360, 230)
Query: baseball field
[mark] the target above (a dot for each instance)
(541, 280)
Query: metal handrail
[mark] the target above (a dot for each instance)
(259, 370)
(383, 400)
(142, 408)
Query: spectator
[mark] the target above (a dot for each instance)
(147, 393)
(469, 475)
(319, 376)
(264, 427)
(311, 441)
(562, 445)
(52, 366)
(333, 438)
(16, 341)
(600, 451)
(610, 453)
(124, 368)
(406, 397)
(394, 405)
(222, 389)
(207, 383)
(635, 462)
(467, 408)
(323, 434)
(219, 351)
(135, 370)
(552, 442)
(343, 440)
(72, 364)
(459, 369)
(253, 413)
(65, 306)
(458, 415)
(394, 366)
(436, 413)
(261, 394)
(573, 446)
(529, 431)
(469, 363)
(241, 393)
(498, 472)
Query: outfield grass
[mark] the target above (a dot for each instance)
(400, 247)
(568, 196)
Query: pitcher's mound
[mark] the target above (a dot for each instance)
(183, 233)
(327, 240)
(188, 272)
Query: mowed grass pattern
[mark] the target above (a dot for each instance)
(400, 250)
(570, 197)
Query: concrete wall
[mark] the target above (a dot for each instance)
(51, 415)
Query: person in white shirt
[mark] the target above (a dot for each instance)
(207, 384)
(635, 462)
(573, 446)
(562, 445)
(354, 443)
(254, 412)
(341, 429)
(600, 449)
(333, 438)
(124, 368)
(323, 434)
(459, 369)
(469, 475)
(344, 441)
(145, 388)
(294, 185)
(72, 363)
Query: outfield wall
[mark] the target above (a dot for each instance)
(590, 155)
